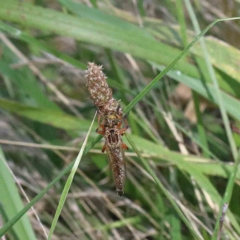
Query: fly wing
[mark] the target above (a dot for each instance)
(117, 164)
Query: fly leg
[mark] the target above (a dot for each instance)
(122, 130)
(101, 129)
(104, 148)
(123, 145)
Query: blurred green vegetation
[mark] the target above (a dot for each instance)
(180, 118)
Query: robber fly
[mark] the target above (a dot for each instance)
(110, 120)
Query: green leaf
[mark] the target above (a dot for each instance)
(46, 116)
(223, 56)
(16, 218)
(98, 28)
(192, 169)
(207, 90)
(26, 84)
(69, 182)
(12, 203)
(95, 27)
(164, 190)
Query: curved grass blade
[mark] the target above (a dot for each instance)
(69, 182)
(162, 189)
(11, 222)
(200, 127)
(215, 82)
(227, 195)
(236, 156)
(98, 28)
(207, 90)
(54, 118)
(192, 169)
(21, 35)
(90, 26)
(232, 104)
(11, 202)
(172, 64)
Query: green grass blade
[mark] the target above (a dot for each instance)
(171, 65)
(25, 83)
(191, 169)
(118, 224)
(163, 190)
(54, 118)
(200, 127)
(69, 182)
(90, 25)
(215, 82)
(94, 23)
(20, 214)
(181, 20)
(228, 194)
(11, 201)
(95, 27)
(207, 90)
(11, 222)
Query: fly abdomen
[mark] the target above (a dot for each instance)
(118, 169)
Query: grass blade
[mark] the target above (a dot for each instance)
(69, 182)
(18, 216)
(227, 195)
(11, 201)
(162, 189)
(215, 82)
(172, 64)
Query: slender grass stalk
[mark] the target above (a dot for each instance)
(172, 64)
(11, 222)
(200, 126)
(185, 132)
(162, 189)
(227, 195)
(214, 80)
(182, 23)
(117, 72)
(224, 210)
(236, 156)
(94, 3)
(69, 182)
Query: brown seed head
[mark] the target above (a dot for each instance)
(97, 85)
